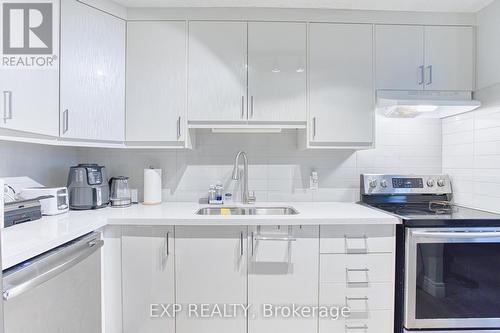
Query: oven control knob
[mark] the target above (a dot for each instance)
(383, 183)
(441, 182)
(430, 182)
(373, 183)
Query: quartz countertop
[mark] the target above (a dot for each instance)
(24, 241)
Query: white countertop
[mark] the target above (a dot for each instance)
(24, 241)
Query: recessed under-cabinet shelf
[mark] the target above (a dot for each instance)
(247, 127)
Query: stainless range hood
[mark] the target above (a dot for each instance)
(428, 104)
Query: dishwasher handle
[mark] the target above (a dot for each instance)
(48, 267)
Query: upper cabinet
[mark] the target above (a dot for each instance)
(29, 83)
(156, 81)
(244, 72)
(277, 54)
(341, 94)
(449, 58)
(424, 58)
(92, 73)
(217, 71)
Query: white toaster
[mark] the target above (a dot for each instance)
(58, 204)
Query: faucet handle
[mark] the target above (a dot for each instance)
(251, 197)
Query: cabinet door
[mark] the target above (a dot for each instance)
(399, 57)
(341, 84)
(147, 278)
(211, 268)
(277, 71)
(217, 71)
(92, 73)
(283, 272)
(30, 100)
(29, 95)
(449, 58)
(156, 81)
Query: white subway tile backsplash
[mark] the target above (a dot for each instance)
(475, 170)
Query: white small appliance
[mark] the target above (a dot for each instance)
(57, 204)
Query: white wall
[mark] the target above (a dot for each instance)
(278, 171)
(471, 142)
(471, 152)
(46, 164)
(488, 45)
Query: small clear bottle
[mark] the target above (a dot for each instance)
(211, 194)
(219, 193)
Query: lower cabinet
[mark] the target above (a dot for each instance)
(283, 271)
(147, 278)
(357, 269)
(239, 279)
(211, 269)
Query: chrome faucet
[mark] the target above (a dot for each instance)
(246, 196)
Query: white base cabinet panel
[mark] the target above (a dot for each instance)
(283, 272)
(148, 278)
(211, 268)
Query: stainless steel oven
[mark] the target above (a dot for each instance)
(452, 278)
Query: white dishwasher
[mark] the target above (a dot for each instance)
(56, 292)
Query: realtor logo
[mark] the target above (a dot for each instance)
(27, 28)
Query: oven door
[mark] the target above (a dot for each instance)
(452, 278)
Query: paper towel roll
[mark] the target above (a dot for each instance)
(152, 186)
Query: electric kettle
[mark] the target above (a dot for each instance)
(119, 192)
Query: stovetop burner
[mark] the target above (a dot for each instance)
(425, 209)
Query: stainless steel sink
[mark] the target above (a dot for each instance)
(247, 211)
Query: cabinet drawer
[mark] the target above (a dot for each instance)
(379, 296)
(374, 322)
(357, 239)
(359, 270)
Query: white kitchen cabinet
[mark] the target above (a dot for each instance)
(283, 270)
(148, 278)
(277, 53)
(156, 81)
(211, 268)
(437, 58)
(29, 100)
(217, 71)
(92, 74)
(399, 57)
(341, 94)
(449, 58)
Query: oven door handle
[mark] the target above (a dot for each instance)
(457, 234)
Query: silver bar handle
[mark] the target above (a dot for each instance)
(179, 128)
(7, 105)
(252, 244)
(242, 106)
(356, 298)
(348, 270)
(456, 234)
(251, 107)
(65, 121)
(362, 250)
(314, 127)
(241, 244)
(430, 74)
(356, 327)
(167, 244)
(421, 75)
(43, 274)
(282, 239)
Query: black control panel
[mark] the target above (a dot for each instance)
(94, 176)
(407, 183)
